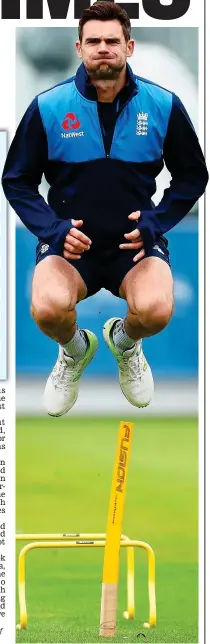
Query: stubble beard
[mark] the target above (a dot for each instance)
(104, 74)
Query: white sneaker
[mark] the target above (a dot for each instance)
(62, 386)
(135, 375)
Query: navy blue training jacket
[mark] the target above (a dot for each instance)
(101, 161)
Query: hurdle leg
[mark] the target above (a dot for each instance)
(151, 588)
(130, 612)
(22, 590)
(151, 578)
(151, 582)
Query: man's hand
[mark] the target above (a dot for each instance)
(76, 242)
(136, 241)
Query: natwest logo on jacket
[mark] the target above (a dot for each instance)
(71, 122)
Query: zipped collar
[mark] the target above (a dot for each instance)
(89, 91)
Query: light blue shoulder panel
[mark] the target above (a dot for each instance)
(71, 124)
(141, 127)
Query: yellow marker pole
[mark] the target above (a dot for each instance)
(113, 532)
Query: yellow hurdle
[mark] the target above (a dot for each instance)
(112, 541)
(128, 614)
(87, 541)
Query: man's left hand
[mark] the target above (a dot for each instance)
(135, 239)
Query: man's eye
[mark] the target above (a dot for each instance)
(96, 41)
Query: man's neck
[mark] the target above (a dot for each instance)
(107, 90)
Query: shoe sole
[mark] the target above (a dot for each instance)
(132, 403)
(63, 412)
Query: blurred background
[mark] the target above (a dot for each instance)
(169, 57)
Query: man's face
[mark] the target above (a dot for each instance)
(104, 49)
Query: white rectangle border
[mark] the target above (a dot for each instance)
(193, 18)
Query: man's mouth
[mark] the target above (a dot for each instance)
(103, 59)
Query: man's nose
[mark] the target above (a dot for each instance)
(103, 47)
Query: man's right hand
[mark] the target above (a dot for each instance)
(75, 242)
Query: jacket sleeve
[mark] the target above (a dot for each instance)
(185, 161)
(24, 167)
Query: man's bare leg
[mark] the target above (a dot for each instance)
(56, 289)
(148, 290)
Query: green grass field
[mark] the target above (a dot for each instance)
(64, 470)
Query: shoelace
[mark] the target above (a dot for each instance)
(132, 367)
(63, 374)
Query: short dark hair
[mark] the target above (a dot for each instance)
(105, 10)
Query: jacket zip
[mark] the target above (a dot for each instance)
(107, 154)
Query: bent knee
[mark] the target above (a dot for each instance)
(51, 310)
(154, 315)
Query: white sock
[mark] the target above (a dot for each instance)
(76, 347)
(120, 337)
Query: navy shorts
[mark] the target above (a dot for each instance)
(105, 268)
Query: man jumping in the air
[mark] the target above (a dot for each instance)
(101, 138)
